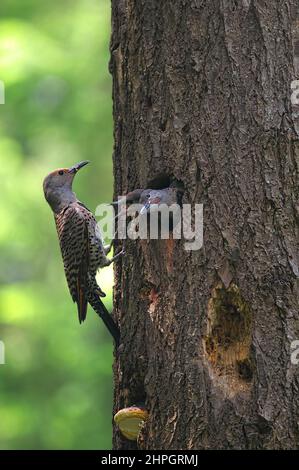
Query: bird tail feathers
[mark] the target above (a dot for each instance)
(103, 313)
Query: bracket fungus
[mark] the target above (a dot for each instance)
(130, 421)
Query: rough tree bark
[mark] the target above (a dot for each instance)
(202, 93)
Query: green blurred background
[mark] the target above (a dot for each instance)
(56, 385)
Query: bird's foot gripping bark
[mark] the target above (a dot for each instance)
(108, 248)
(120, 253)
(108, 261)
(103, 313)
(100, 292)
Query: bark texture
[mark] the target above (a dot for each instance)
(202, 93)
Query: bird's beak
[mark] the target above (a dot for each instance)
(145, 209)
(151, 205)
(74, 169)
(116, 203)
(119, 202)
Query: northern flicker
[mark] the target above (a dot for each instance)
(152, 197)
(151, 200)
(81, 244)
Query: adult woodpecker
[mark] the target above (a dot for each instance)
(82, 248)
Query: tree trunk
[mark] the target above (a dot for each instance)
(202, 93)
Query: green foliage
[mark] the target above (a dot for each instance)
(56, 385)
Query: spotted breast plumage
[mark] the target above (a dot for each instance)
(82, 251)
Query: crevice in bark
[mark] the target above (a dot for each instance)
(132, 391)
(228, 340)
(160, 181)
(164, 180)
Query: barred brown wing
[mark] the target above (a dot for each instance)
(72, 228)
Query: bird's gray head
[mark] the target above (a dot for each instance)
(58, 187)
(152, 198)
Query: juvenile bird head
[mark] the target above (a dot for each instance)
(58, 186)
(153, 198)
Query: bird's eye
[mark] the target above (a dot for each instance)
(60, 172)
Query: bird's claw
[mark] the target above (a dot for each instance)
(100, 293)
(115, 257)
